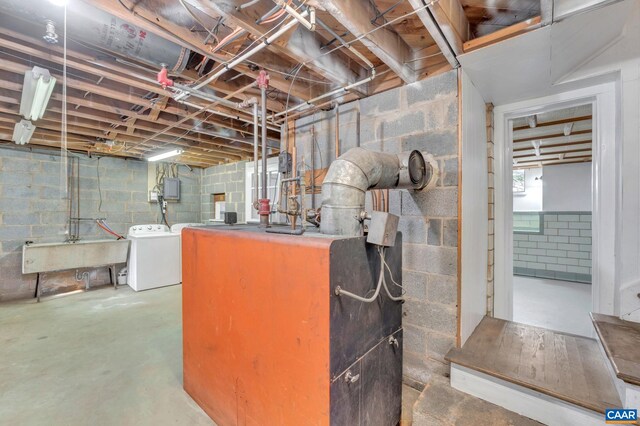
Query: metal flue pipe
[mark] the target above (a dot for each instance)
(358, 170)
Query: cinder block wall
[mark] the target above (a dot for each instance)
(422, 116)
(228, 179)
(561, 251)
(32, 208)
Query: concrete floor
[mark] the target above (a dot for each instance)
(556, 305)
(105, 357)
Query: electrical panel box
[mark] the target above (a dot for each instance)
(171, 189)
(383, 229)
(284, 162)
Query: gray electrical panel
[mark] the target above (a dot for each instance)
(171, 189)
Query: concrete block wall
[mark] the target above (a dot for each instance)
(228, 179)
(33, 208)
(561, 251)
(422, 116)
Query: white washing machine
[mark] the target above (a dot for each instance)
(177, 229)
(154, 257)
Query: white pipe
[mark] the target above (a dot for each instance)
(310, 25)
(238, 60)
(263, 90)
(328, 94)
(255, 155)
(224, 114)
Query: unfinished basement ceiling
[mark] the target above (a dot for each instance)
(115, 106)
(488, 16)
(560, 137)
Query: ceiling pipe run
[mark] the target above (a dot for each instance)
(358, 170)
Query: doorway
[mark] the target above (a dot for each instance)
(605, 192)
(552, 212)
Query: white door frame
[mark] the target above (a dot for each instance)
(606, 181)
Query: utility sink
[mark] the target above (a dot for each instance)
(51, 257)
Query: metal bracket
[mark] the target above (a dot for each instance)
(393, 341)
(350, 378)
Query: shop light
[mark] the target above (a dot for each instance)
(22, 132)
(36, 91)
(166, 155)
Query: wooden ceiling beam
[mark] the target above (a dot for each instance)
(556, 122)
(452, 20)
(43, 138)
(385, 43)
(447, 47)
(554, 163)
(503, 34)
(84, 128)
(111, 93)
(556, 153)
(108, 112)
(138, 14)
(538, 163)
(556, 145)
(302, 45)
(558, 135)
(117, 73)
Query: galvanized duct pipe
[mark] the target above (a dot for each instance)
(353, 173)
(91, 25)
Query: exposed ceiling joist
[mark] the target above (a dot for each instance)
(555, 135)
(386, 44)
(302, 46)
(428, 20)
(557, 122)
(580, 142)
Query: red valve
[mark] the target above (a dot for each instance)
(263, 80)
(163, 79)
(263, 207)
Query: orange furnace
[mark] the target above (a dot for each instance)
(270, 340)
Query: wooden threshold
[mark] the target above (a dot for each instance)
(565, 366)
(621, 342)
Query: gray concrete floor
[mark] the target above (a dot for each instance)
(104, 357)
(553, 304)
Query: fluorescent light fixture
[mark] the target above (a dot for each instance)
(22, 132)
(36, 91)
(165, 155)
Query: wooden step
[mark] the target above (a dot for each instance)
(621, 342)
(564, 366)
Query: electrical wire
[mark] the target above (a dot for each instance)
(193, 15)
(108, 230)
(384, 280)
(381, 283)
(341, 292)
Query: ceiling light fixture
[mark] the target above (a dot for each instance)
(59, 2)
(165, 155)
(36, 91)
(22, 132)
